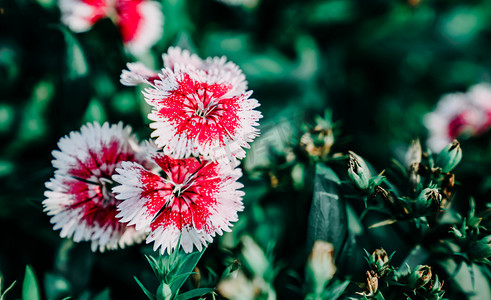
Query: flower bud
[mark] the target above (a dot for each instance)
(372, 283)
(414, 177)
(237, 287)
(379, 261)
(164, 292)
(317, 142)
(481, 249)
(449, 157)
(420, 277)
(358, 171)
(429, 199)
(320, 267)
(254, 256)
(414, 154)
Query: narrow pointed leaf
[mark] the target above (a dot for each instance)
(30, 287)
(145, 290)
(194, 293)
(187, 267)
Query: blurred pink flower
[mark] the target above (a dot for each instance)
(79, 196)
(459, 115)
(191, 203)
(139, 21)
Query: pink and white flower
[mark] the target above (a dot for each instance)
(79, 196)
(138, 73)
(459, 115)
(200, 107)
(81, 15)
(191, 203)
(139, 21)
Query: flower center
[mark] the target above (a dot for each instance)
(201, 104)
(200, 113)
(179, 189)
(106, 187)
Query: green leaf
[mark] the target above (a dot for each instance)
(327, 217)
(104, 295)
(338, 290)
(75, 61)
(30, 288)
(187, 266)
(323, 170)
(194, 293)
(154, 264)
(149, 294)
(3, 293)
(56, 286)
(95, 112)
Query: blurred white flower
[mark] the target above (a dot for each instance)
(320, 266)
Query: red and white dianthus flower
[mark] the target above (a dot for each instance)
(79, 196)
(138, 73)
(140, 22)
(200, 107)
(459, 115)
(189, 204)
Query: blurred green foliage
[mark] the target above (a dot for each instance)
(379, 66)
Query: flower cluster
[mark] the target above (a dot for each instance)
(140, 22)
(459, 115)
(112, 191)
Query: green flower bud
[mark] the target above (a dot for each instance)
(429, 199)
(320, 268)
(449, 157)
(481, 249)
(420, 277)
(379, 261)
(358, 171)
(164, 292)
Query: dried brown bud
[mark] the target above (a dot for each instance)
(414, 154)
(317, 142)
(429, 198)
(379, 261)
(420, 277)
(372, 284)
